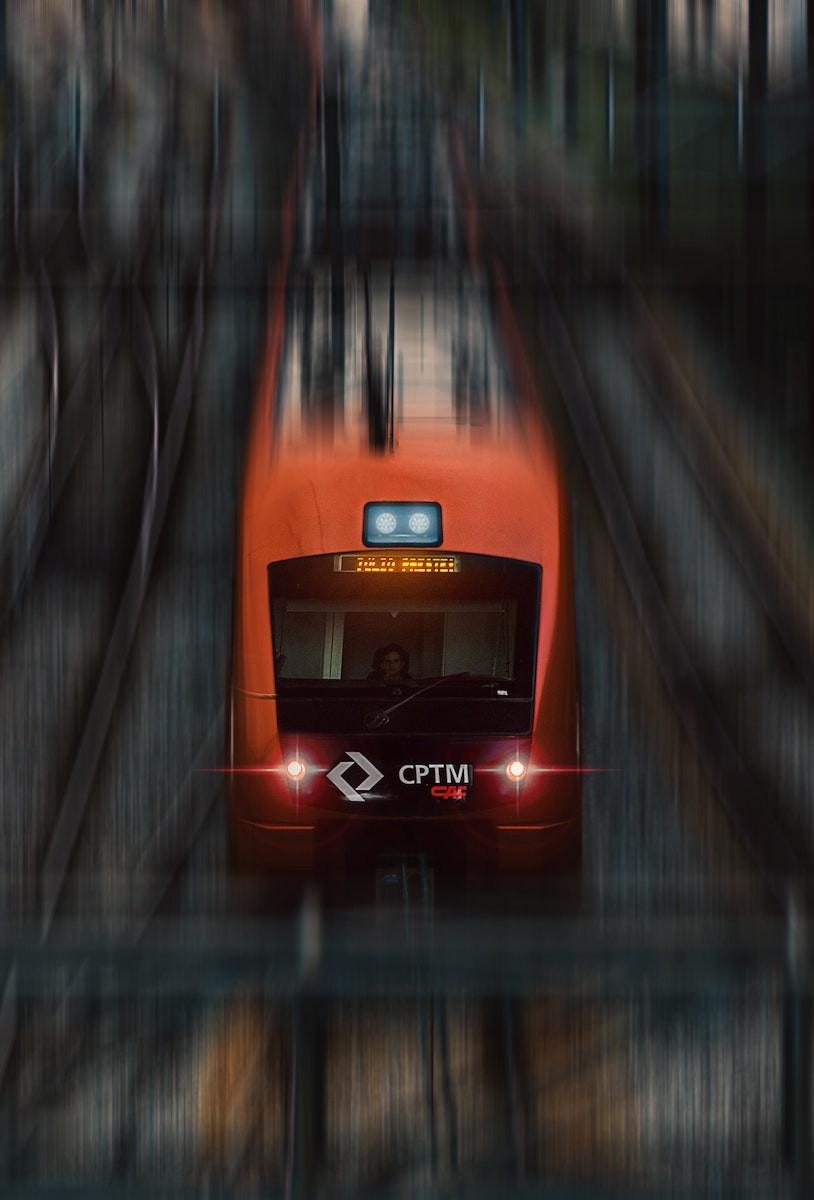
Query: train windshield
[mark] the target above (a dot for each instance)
(348, 625)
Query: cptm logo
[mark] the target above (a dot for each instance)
(450, 780)
(372, 775)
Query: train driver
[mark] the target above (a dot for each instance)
(390, 663)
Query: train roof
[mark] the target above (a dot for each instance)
(452, 427)
(426, 337)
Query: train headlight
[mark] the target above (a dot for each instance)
(402, 523)
(295, 769)
(385, 522)
(419, 522)
(516, 770)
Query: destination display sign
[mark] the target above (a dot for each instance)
(398, 564)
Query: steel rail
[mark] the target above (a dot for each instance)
(18, 222)
(143, 346)
(69, 424)
(35, 491)
(51, 339)
(74, 801)
(153, 187)
(736, 515)
(174, 835)
(83, 190)
(23, 543)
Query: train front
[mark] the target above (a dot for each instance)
(404, 648)
(411, 671)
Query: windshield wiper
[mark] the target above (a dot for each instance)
(375, 720)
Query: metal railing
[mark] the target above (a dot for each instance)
(308, 965)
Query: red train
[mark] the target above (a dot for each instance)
(404, 651)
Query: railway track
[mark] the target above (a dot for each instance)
(723, 617)
(57, 514)
(52, 510)
(48, 1044)
(758, 802)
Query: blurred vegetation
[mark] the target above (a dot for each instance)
(546, 94)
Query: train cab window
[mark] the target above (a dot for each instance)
(468, 622)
